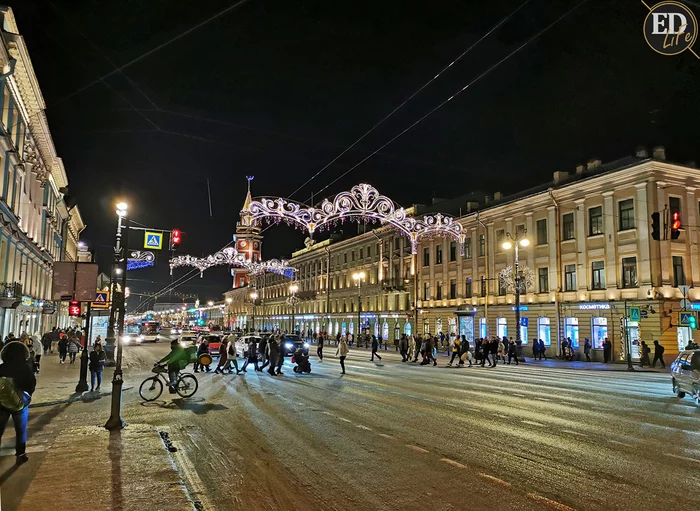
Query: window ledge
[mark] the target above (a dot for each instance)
(594, 236)
(624, 231)
(569, 240)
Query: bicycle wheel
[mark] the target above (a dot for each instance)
(187, 385)
(151, 388)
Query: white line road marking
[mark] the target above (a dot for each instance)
(571, 432)
(620, 443)
(345, 420)
(495, 480)
(553, 504)
(533, 423)
(363, 427)
(417, 449)
(542, 399)
(681, 457)
(386, 436)
(502, 416)
(453, 463)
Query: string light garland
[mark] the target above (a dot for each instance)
(140, 259)
(231, 257)
(362, 202)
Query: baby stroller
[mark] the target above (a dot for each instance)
(301, 360)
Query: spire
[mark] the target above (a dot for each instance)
(248, 198)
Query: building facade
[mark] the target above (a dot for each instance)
(595, 270)
(33, 214)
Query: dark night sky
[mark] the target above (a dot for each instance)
(278, 88)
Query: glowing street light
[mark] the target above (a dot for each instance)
(514, 242)
(359, 277)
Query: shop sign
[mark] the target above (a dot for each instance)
(594, 306)
(521, 307)
(695, 306)
(27, 301)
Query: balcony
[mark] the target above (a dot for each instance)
(395, 284)
(10, 294)
(306, 295)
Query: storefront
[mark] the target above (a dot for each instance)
(465, 322)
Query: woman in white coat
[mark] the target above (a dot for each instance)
(343, 350)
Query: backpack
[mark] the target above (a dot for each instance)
(10, 398)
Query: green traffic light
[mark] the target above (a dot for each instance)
(693, 322)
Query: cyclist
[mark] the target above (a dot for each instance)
(177, 359)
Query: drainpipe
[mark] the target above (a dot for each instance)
(558, 262)
(486, 270)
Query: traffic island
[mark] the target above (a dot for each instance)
(91, 468)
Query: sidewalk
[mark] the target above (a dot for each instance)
(90, 468)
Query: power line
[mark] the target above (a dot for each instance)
(488, 71)
(418, 91)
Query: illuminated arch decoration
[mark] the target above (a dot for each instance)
(231, 257)
(362, 202)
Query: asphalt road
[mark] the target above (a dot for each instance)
(401, 436)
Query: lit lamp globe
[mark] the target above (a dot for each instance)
(253, 296)
(293, 288)
(507, 245)
(229, 300)
(524, 242)
(122, 208)
(359, 276)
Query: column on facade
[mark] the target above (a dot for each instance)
(510, 254)
(609, 215)
(552, 244)
(530, 253)
(642, 221)
(693, 268)
(581, 235)
(476, 277)
(491, 251)
(666, 270)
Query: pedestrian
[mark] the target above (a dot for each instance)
(252, 354)
(223, 355)
(456, 345)
(280, 356)
(464, 352)
(658, 355)
(98, 358)
(46, 342)
(202, 349)
(375, 346)
(512, 352)
(411, 347)
(587, 349)
(272, 354)
(343, 351)
(646, 351)
(494, 349)
(262, 349)
(418, 348)
(607, 350)
(319, 348)
(535, 349)
(231, 359)
(543, 350)
(73, 348)
(485, 350)
(17, 384)
(502, 350)
(403, 347)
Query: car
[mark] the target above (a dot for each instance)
(685, 374)
(188, 339)
(131, 338)
(214, 343)
(243, 342)
(290, 343)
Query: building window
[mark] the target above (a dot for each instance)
(543, 331)
(501, 288)
(483, 287)
(426, 291)
(543, 277)
(599, 330)
(674, 204)
(468, 248)
(483, 329)
(362, 253)
(567, 227)
(453, 251)
(542, 231)
(678, 275)
(626, 209)
(468, 288)
(595, 221)
(369, 251)
(598, 269)
(426, 256)
(352, 255)
(438, 254)
(482, 245)
(501, 327)
(438, 291)
(500, 236)
(571, 330)
(570, 277)
(629, 272)
(345, 257)
(453, 289)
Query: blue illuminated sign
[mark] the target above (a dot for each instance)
(522, 308)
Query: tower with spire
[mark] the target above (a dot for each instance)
(248, 241)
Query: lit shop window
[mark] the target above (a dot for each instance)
(599, 329)
(571, 330)
(483, 330)
(501, 327)
(543, 331)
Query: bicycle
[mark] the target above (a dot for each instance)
(151, 388)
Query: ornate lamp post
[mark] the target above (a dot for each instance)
(253, 297)
(514, 242)
(292, 301)
(359, 277)
(228, 309)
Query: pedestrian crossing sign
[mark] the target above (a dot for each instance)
(101, 300)
(153, 240)
(635, 314)
(684, 318)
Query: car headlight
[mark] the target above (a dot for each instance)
(289, 345)
(125, 340)
(140, 337)
(183, 344)
(306, 345)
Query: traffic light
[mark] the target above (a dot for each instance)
(655, 226)
(74, 309)
(675, 225)
(693, 322)
(175, 238)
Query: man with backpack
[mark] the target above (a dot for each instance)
(658, 355)
(17, 384)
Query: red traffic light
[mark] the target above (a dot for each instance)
(74, 309)
(176, 237)
(676, 221)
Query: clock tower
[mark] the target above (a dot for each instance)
(248, 241)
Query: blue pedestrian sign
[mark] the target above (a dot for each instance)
(101, 300)
(524, 321)
(153, 240)
(635, 314)
(684, 318)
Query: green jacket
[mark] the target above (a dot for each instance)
(177, 359)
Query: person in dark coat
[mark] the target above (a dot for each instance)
(543, 349)
(375, 347)
(262, 349)
(646, 351)
(512, 352)
(223, 355)
(63, 348)
(202, 349)
(607, 350)
(403, 348)
(272, 354)
(587, 349)
(535, 350)
(319, 348)
(15, 356)
(464, 348)
(252, 355)
(485, 351)
(98, 358)
(658, 355)
(493, 345)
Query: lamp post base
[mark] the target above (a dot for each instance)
(82, 385)
(629, 362)
(115, 421)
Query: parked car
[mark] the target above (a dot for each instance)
(291, 343)
(685, 374)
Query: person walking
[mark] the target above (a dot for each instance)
(464, 352)
(456, 345)
(403, 347)
(343, 351)
(512, 352)
(319, 348)
(232, 360)
(543, 349)
(223, 356)
(17, 384)
(502, 350)
(262, 349)
(431, 349)
(485, 350)
(280, 357)
(73, 348)
(252, 355)
(272, 354)
(494, 349)
(535, 350)
(98, 358)
(646, 351)
(201, 350)
(658, 355)
(587, 349)
(607, 350)
(375, 347)
(419, 347)
(411, 347)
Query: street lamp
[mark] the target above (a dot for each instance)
(253, 297)
(119, 300)
(210, 303)
(293, 300)
(228, 308)
(518, 241)
(359, 277)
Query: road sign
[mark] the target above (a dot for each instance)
(684, 318)
(101, 300)
(684, 290)
(524, 321)
(645, 313)
(153, 240)
(635, 314)
(686, 304)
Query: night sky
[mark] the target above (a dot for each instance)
(277, 89)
